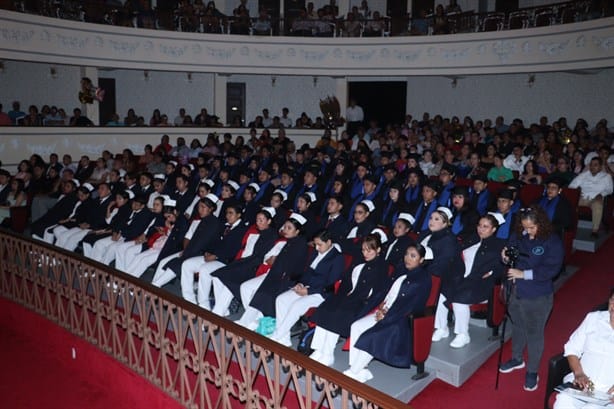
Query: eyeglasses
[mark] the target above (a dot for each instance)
(526, 210)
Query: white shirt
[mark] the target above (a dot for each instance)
(390, 247)
(514, 164)
(592, 185)
(274, 251)
(249, 245)
(593, 343)
(469, 256)
(393, 293)
(354, 114)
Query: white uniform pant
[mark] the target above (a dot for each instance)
(248, 289)
(564, 401)
(324, 342)
(48, 236)
(104, 249)
(164, 275)
(69, 238)
(289, 307)
(204, 269)
(223, 297)
(356, 330)
(125, 253)
(462, 314)
(141, 262)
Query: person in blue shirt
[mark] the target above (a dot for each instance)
(530, 277)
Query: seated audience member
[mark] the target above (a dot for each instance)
(482, 269)
(481, 199)
(362, 226)
(135, 225)
(285, 263)
(278, 202)
(385, 334)
(222, 254)
(128, 249)
(426, 206)
(530, 174)
(333, 220)
(165, 240)
(590, 353)
(60, 210)
(395, 251)
(5, 188)
(359, 293)
(250, 206)
(447, 263)
(118, 212)
(562, 171)
(464, 217)
(201, 237)
(556, 206)
(499, 172)
(16, 197)
(395, 205)
(315, 285)
(505, 207)
(304, 205)
(92, 216)
(227, 280)
(413, 188)
(446, 178)
(595, 185)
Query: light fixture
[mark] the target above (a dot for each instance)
(454, 82)
(273, 80)
(53, 72)
(189, 77)
(146, 75)
(234, 108)
(531, 80)
(315, 82)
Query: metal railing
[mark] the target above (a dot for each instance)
(197, 358)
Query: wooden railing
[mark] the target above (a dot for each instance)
(199, 359)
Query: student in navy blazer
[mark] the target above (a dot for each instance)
(359, 293)
(385, 334)
(334, 221)
(223, 253)
(285, 271)
(60, 210)
(399, 240)
(316, 284)
(205, 237)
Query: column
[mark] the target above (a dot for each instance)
(89, 110)
(219, 96)
(341, 92)
(344, 7)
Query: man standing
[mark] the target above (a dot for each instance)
(354, 116)
(596, 185)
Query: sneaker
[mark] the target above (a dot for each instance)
(460, 341)
(511, 365)
(530, 381)
(440, 334)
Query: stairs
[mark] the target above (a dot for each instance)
(584, 241)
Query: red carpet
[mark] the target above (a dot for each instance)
(588, 288)
(39, 371)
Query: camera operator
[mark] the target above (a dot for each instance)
(539, 252)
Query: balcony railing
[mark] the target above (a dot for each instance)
(192, 19)
(197, 358)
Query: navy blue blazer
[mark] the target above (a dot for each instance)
(284, 273)
(174, 242)
(338, 228)
(137, 225)
(398, 251)
(447, 262)
(322, 279)
(473, 288)
(230, 244)
(241, 270)
(390, 340)
(183, 201)
(60, 211)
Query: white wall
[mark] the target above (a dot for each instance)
(552, 94)
(32, 84)
(297, 93)
(167, 91)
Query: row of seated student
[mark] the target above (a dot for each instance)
(256, 260)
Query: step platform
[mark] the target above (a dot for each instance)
(585, 242)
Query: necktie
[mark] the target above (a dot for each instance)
(227, 229)
(329, 221)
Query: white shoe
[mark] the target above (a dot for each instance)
(440, 334)
(362, 376)
(460, 341)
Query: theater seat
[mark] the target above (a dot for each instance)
(422, 327)
(558, 367)
(494, 310)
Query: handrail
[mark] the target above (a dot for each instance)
(170, 19)
(183, 350)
